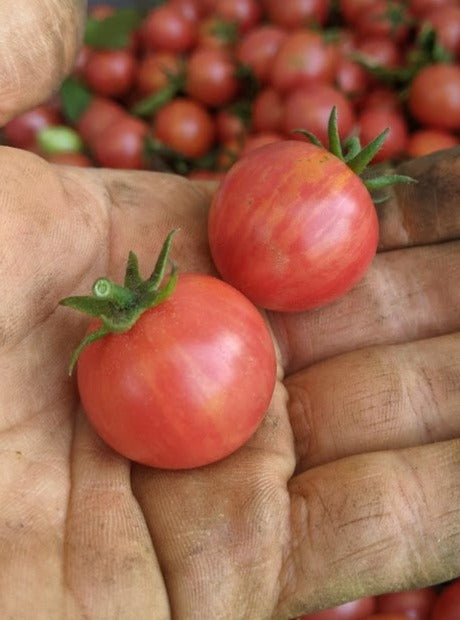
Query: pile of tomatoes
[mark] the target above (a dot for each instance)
(422, 604)
(191, 85)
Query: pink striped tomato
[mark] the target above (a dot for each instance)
(292, 226)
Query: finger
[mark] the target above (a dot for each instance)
(378, 398)
(110, 565)
(406, 295)
(40, 40)
(219, 530)
(423, 212)
(370, 524)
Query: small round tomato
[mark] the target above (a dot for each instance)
(211, 77)
(185, 126)
(229, 126)
(110, 73)
(297, 13)
(373, 121)
(155, 70)
(190, 9)
(268, 111)
(446, 23)
(258, 48)
(188, 384)
(425, 141)
(166, 28)
(21, 132)
(310, 107)
(245, 13)
(421, 8)
(381, 51)
(351, 78)
(216, 33)
(121, 144)
(354, 610)
(262, 138)
(99, 115)
(377, 20)
(434, 96)
(292, 226)
(303, 58)
(416, 604)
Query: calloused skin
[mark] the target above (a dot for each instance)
(349, 488)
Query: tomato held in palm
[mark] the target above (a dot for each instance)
(292, 227)
(188, 384)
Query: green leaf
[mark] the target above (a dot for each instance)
(367, 153)
(159, 270)
(352, 146)
(88, 305)
(132, 276)
(387, 179)
(152, 103)
(333, 135)
(311, 136)
(75, 98)
(113, 32)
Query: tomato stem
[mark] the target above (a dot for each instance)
(119, 307)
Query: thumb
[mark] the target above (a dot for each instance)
(40, 40)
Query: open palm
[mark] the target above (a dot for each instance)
(350, 486)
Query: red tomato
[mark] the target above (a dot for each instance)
(245, 13)
(303, 58)
(188, 384)
(447, 605)
(167, 29)
(355, 610)
(155, 69)
(373, 121)
(186, 127)
(211, 77)
(387, 617)
(268, 111)
(351, 10)
(380, 97)
(258, 48)
(434, 96)
(421, 8)
(310, 107)
(229, 126)
(297, 13)
(446, 23)
(190, 9)
(256, 140)
(110, 73)
(415, 604)
(381, 51)
(21, 132)
(425, 141)
(216, 33)
(351, 79)
(70, 159)
(376, 20)
(82, 60)
(292, 227)
(99, 115)
(121, 144)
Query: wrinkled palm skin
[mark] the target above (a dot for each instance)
(349, 487)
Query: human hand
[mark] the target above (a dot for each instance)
(348, 489)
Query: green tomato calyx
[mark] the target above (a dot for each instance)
(354, 155)
(119, 307)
